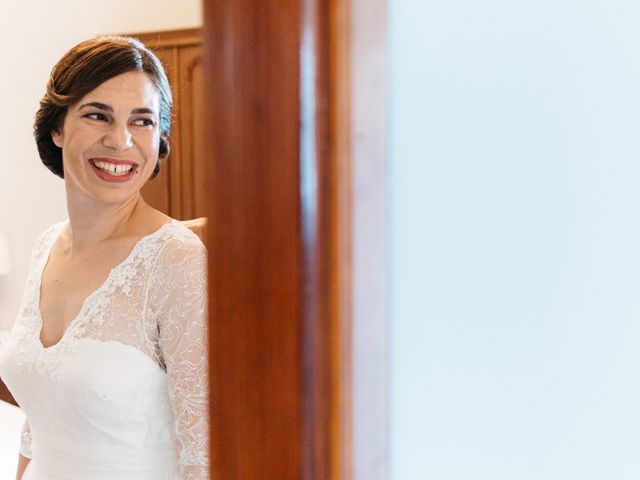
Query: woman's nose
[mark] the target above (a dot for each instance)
(118, 138)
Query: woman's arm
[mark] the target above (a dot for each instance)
(22, 466)
(5, 394)
(179, 302)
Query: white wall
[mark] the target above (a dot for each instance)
(515, 178)
(11, 421)
(34, 34)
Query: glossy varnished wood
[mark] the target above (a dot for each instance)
(177, 190)
(252, 93)
(316, 187)
(295, 175)
(170, 38)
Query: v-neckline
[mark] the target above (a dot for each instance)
(46, 256)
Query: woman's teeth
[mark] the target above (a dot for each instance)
(113, 169)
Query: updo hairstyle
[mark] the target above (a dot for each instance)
(82, 69)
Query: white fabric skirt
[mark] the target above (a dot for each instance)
(51, 463)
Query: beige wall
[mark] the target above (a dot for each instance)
(34, 34)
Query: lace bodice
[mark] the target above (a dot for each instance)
(123, 395)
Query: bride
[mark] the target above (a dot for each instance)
(107, 358)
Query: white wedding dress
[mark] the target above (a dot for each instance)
(122, 396)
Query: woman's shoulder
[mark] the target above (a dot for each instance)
(168, 231)
(177, 234)
(177, 244)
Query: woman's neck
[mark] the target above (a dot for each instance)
(92, 223)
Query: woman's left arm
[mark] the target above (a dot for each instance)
(182, 323)
(5, 394)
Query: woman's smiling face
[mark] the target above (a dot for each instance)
(110, 139)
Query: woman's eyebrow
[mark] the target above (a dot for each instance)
(143, 110)
(98, 105)
(108, 108)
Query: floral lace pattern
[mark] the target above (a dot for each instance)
(25, 441)
(153, 301)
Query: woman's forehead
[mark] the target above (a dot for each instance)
(128, 91)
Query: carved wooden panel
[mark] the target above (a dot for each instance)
(176, 190)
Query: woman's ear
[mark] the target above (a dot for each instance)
(164, 147)
(56, 136)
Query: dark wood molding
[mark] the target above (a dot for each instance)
(295, 105)
(250, 57)
(177, 190)
(319, 320)
(169, 38)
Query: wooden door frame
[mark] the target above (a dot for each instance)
(296, 104)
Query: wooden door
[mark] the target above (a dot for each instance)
(295, 160)
(176, 190)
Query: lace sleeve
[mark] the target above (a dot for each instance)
(180, 308)
(25, 441)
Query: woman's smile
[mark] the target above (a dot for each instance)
(112, 170)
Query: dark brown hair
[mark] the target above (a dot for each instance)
(82, 69)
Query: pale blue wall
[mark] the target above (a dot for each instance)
(515, 239)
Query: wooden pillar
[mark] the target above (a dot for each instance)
(283, 264)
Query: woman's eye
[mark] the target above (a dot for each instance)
(95, 116)
(144, 122)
